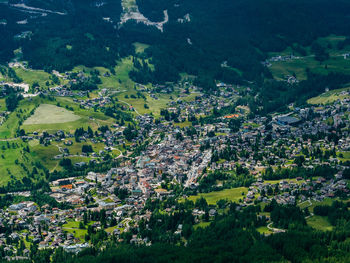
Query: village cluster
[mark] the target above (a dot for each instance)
(179, 157)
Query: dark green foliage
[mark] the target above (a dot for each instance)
(66, 163)
(86, 149)
(12, 101)
(287, 173)
(336, 212)
(130, 133)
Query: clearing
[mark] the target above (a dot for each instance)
(233, 194)
(330, 97)
(319, 223)
(48, 114)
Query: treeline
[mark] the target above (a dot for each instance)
(277, 95)
(288, 173)
(335, 213)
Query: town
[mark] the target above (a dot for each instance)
(295, 158)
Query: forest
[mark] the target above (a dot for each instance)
(224, 34)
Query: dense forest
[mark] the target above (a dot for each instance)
(239, 32)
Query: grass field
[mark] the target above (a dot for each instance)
(298, 67)
(139, 104)
(327, 201)
(264, 230)
(84, 118)
(287, 180)
(336, 62)
(9, 127)
(73, 227)
(31, 76)
(45, 154)
(233, 194)
(345, 156)
(319, 223)
(329, 97)
(202, 225)
(48, 114)
(8, 168)
(2, 105)
(47, 117)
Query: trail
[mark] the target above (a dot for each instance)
(23, 7)
(9, 139)
(275, 230)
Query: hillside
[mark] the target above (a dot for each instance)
(194, 40)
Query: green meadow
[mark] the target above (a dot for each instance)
(319, 223)
(59, 118)
(48, 114)
(329, 97)
(8, 156)
(233, 195)
(335, 63)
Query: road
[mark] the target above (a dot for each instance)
(193, 173)
(275, 230)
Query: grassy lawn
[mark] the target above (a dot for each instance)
(233, 194)
(336, 62)
(264, 230)
(139, 104)
(2, 105)
(319, 223)
(8, 168)
(8, 129)
(287, 180)
(329, 97)
(45, 154)
(327, 201)
(345, 156)
(298, 67)
(111, 229)
(31, 76)
(183, 124)
(251, 124)
(202, 225)
(73, 227)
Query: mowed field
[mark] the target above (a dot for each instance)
(62, 119)
(233, 194)
(47, 114)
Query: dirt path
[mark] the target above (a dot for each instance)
(275, 230)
